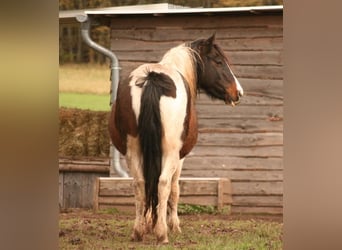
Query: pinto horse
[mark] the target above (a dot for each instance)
(153, 123)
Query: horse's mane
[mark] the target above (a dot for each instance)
(184, 60)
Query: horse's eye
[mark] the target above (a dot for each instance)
(218, 62)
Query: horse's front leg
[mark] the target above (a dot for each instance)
(173, 200)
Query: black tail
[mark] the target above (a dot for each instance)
(150, 131)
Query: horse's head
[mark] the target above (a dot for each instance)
(214, 74)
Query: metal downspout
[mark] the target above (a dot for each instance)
(85, 21)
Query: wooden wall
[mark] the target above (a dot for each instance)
(76, 181)
(244, 143)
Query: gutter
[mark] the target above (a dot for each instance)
(85, 21)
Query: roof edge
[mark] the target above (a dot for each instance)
(162, 9)
(156, 11)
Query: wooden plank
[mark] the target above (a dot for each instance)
(193, 186)
(226, 191)
(93, 161)
(256, 151)
(117, 187)
(202, 187)
(240, 139)
(253, 112)
(72, 189)
(273, 44)
(239, 125)
(204, 162)
(257, 188)
(250, 98)
(206, 200)
(236, 175)
(187, 22)
(96, 194)
(180, 35)
(268, 87)
(252, 43)
(256, 210)
(241, 58)
(258, 71)
(256, 58)
(78, 189)
(117, 200)
(83, 168)
(220, 192)
(140, 56)
(265, 176)
(60, 190)
(200, 191)
(261, 201)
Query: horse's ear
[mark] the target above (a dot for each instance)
(210, 40)
(206, 44)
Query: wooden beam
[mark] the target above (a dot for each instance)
(116, 191)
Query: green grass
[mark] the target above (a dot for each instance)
(84, 86)
(84, 101)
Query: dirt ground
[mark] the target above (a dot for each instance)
(89, 214)
(84, 229)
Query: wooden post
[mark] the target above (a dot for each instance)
(96, 194)
(220, 194)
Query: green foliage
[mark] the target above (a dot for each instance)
(84, 101)
(196, 209)
(84, 4)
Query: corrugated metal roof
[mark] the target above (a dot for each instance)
(165, 9)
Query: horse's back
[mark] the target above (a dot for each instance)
(177, 111)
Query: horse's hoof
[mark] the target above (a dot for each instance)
(136, 236)
(176, 229)
(163, 240)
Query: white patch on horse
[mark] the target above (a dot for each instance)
(238, 85)
(181, 59)
(136, 91)
(173, 112)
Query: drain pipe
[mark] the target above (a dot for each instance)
(85, 21)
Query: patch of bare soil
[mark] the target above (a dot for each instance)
(84, 229)
(89, 214)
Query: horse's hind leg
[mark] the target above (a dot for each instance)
(139, 224)
(133, 162)
(164, 188)
(173, 200)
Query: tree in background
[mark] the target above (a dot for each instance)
(86, 4)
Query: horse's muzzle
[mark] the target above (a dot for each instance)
(233, 99)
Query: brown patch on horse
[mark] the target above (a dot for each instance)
(190, 132)
(232, 94)
(122, 119)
